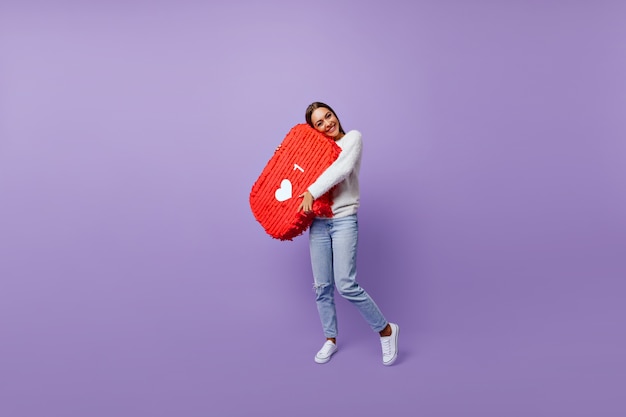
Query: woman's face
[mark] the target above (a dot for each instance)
(326, 122)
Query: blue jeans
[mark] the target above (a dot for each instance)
(333, 245)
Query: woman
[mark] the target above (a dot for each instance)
(333, 241)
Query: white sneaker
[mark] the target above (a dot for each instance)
(326, 352)
(390, 345)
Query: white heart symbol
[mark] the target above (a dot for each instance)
(284, 192)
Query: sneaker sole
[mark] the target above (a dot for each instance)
(397, 350)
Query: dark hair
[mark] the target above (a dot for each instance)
(316, 105)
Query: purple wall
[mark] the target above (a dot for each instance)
(134, 280)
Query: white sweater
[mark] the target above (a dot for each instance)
(344, 173)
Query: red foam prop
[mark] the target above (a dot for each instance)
(302, 156)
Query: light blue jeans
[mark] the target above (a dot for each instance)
(333, 245)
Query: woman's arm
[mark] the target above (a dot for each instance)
(351, 147)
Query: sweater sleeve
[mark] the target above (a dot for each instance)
(351, 147)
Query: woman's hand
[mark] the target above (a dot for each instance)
(307, 202)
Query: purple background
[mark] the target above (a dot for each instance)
(136, 282)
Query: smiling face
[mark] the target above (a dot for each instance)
(324, 120)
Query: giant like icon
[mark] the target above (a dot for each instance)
(299, 160)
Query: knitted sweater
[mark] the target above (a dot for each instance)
(344, 173)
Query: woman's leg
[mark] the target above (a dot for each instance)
(322, 264)
(344, 235)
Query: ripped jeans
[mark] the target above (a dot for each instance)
(333, 246)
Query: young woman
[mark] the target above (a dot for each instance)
(333, 241)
